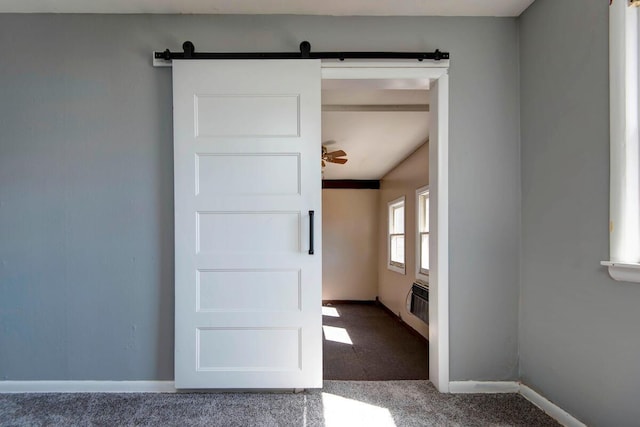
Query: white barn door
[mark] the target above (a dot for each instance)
(247, 173)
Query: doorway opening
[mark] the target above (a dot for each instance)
(377, 244)
(372, 222)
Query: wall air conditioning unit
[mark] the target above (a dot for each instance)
(420, 301)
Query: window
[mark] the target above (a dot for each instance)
(624, 221)
(422, 241)
(396, 235)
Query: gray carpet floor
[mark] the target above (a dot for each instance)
(381, 349)
(340, 403)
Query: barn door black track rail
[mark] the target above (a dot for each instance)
(189, 52)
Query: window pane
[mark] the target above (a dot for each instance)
(424, 251)
(398, 220)
(425, 216)
(397, 249)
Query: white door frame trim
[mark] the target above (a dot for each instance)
(435, 75)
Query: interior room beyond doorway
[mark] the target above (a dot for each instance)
(382, 129)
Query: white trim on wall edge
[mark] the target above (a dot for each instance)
(553, 410)
(87, 387)
(493, 387)
(484, 387)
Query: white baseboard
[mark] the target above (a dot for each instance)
(484, 387)
(492, 387)
(553, 410)
(87, 387)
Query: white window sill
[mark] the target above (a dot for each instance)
(422, 282)
(422, 277)
(624, 272)
(395, 268)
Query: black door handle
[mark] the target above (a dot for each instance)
(311, 232)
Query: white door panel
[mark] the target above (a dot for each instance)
(247, 115)
(247, 173)
(212, 292)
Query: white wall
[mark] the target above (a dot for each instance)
(403, 180)
(349, 244)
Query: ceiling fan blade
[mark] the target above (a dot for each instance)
(339, 161)
(329, 142)
(334, 156)
(338, 153)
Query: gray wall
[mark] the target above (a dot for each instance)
(579, 339)
(86, 247)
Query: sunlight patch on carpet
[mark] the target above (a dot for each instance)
(330, 311)
(340, 411)
(332, 333)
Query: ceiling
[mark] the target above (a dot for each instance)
(294, 7)
(375, 141)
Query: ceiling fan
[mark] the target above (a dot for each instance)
(332, 156)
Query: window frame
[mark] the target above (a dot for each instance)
(624, 203)
(394, 204)
(421, 274)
